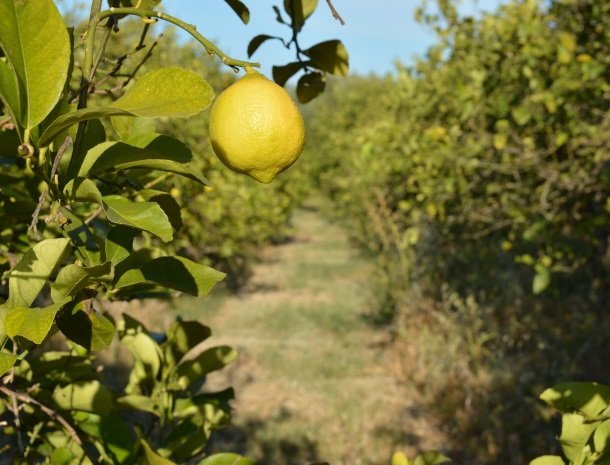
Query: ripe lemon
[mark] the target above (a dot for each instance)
(256, 128)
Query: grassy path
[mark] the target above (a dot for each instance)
(312, 380)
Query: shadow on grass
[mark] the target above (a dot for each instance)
(253, 441)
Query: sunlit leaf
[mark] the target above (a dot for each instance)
(89, 396)
(147, 216)
(152, 458)
(36, 42)
(9, 91)
(589, 398)
(182, 337)
(575, 434)
(6, 362)
(227, 459)
(548, 460)
(32, 324)
(34, 269)
(164, 92)
(215, 358)
(73, 278)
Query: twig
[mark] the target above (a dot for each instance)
(33, 225)
(51, 414)
(59, 155)
(209, 46)
(94, 215)
(335, 13)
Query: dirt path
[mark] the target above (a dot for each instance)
(312, 379)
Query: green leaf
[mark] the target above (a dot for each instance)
(33, 271)
(128, 128)
(113, 156)
(303, 9)
(542, 279)
(36, 43)
(119, 243)
(330, 56)
(144, 4)
(601, 437)
(182, 336)
(152, 457)
(138, 403)
(310, 85)
(9, 91)
(165, 92)
(62, 456)
(72, 278)
(167, 203)
(177, 273)
(548, 460)
(6, 362)
(215, 358)
(147, 355)
(88, 396)
(88, 328)
(32, 324)
(257, 41)
(227, 458)
(430, 458)
(281, 74)
(148, 216)
(82, 190)
(575, 434)
(240, 9)
(161, 153)
(589, 398)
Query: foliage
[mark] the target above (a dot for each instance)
(87, 219)
(585, 430)
(72, 413)
(478, 179)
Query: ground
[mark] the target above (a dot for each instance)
(313, 378)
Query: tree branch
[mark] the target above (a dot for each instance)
(335, 13)
(51, 414)
(192, 30)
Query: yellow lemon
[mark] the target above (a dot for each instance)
(256, 128)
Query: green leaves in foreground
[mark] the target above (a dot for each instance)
(35, 40)
(585, 429)
(177, 273)
(227, 459)
(165, 92)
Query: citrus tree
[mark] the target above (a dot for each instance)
(86, 219)
(478, 179)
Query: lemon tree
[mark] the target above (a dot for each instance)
(86, 218)
(256, 128)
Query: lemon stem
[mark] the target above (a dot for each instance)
(192, 30)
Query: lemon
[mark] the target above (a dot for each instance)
(256, 128)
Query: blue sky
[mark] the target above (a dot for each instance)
(376, 33)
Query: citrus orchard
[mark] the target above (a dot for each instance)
(256, 128)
